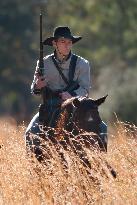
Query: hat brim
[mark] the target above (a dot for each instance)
(49, 40)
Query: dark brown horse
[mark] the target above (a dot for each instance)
(76, 127)
(81, 117)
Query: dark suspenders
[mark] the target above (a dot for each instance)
(72, 67)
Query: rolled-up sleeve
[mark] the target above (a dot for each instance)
(84, 80)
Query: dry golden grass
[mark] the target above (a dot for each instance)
(23, 180)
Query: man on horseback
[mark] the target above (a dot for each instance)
(62, 41)
(66, 75)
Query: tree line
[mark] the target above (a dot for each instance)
(109, 42)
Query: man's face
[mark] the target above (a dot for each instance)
(64, 45)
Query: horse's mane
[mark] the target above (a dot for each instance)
(61, 122)
(66, 109)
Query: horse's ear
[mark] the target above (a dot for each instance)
(76, 102)
(100, 100)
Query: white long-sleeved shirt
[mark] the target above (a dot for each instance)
(55, 81)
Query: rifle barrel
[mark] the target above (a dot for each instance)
(41, 62)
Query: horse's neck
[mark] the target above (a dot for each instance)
(64, 120)
(61, 123)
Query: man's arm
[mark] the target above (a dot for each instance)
(38, 82)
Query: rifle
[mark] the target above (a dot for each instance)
(41, 62)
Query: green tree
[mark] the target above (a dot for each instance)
(109, 43)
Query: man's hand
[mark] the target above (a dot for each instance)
(65, 95)
(40, 82)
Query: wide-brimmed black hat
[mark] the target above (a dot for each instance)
(61, 32)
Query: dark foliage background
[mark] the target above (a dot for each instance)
(109, 43)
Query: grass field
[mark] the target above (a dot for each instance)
(24, 181)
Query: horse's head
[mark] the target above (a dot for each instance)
(86, 114)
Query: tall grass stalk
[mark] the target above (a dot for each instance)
(23, 180)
